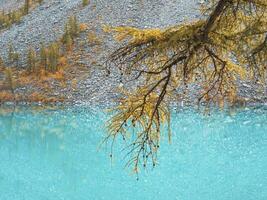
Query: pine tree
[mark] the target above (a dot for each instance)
(73, 26)
(9, 80)
(13, 17)
(43, 57)
(85, 3)
(10, 53)
(31, 60)
(66, 34)
(53, 56)
(1, 62)
(26, 6)
(68, 42)
(16, 58)
(17, 16)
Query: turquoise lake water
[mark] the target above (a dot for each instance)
(52, 154)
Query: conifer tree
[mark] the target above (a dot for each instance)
(68, 42)
(11, 53)
(10, 81)
(226, 45)
(43, 57)
(16, 58)
(85, 3)
(73, 26)
(7, 19)
(1, 62)
(31, 60)
(72, 29)
(13, 56)
(66, 32)
(26, 6)
(53, 56)
(67, 38)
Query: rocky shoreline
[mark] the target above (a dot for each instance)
(46, 24)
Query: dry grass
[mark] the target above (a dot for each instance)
(12, 17)
(93, 39)
(6, 96)
(37, 97)
(50, 71)
(83, 27)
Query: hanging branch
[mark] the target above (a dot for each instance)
(163, 61)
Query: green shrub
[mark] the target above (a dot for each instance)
(85, 3)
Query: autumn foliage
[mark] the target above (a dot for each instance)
(9, 18)
(48, 65)
(226, 46)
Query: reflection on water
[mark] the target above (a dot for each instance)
(51, 153)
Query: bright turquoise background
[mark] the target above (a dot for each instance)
(52, 154)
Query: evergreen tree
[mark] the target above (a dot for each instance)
(31, 60)
(1, 62)
(73, 26)
(66, 34)
(26, 6)
(85, 3)
(53, 56)
(10, 81)
(16, 58)
(43, 57)
(68, 42)
(10, 53)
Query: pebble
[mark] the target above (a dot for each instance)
(46, 24)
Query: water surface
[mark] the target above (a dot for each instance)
(52, 154)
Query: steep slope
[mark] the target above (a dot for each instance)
(46, 24)
(9, 5)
